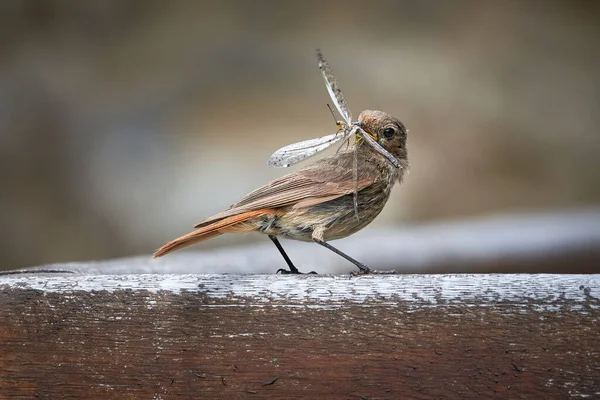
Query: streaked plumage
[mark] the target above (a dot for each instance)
(316, 203)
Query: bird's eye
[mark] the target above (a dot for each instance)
(389, 133)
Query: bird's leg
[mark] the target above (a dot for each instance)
(363, 269)
(292, 267)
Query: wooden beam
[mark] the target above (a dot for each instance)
(267, 336)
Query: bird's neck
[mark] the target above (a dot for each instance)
(367, 153)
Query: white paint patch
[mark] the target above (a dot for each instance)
(579, 293)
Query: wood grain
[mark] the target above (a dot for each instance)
(265, 336)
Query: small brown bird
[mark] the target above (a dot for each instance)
(317, 203)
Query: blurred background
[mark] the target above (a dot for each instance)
(123, 123)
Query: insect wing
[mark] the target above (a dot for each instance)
(296, 152)
(334, 90)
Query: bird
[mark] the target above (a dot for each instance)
(317, 203)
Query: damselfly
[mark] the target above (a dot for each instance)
(294, 153)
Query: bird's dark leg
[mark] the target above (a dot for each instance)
(362, 267)
(293, 269)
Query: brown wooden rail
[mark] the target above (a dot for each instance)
(322, 337)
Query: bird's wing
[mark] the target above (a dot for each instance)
(322, 181)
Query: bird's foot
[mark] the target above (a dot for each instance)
(364, 270)
(293, 272)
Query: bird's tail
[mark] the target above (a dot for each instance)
(235, 223)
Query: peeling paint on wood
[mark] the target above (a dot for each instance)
(240, 336)
(545, 291)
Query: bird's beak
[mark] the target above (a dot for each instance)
(372, 140)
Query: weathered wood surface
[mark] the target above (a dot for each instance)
(257, 336)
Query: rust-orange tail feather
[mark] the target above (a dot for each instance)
(235, 223)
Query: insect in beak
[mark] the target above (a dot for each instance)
(296, 152)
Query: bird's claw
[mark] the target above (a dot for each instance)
(293, 272)
(370, 271)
